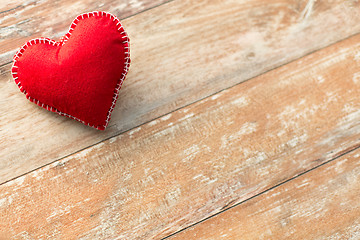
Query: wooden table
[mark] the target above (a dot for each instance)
(239, 119)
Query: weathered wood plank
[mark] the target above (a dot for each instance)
(321, 204)
(23, 20)
(181, 52)
(188, 165)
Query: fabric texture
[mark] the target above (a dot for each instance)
(79, 76)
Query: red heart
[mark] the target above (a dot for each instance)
(79, 76)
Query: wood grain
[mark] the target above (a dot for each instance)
(321, 204)
(181, 52)
(23, 20)
(190, 164)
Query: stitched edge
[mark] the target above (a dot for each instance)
(61, 42)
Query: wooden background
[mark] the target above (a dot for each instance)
(238, 118)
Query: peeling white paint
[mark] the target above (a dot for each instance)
(273, 195)
(205, 179)
(331, 96)
(297, 140)
(6, 201)
(37, 174)
(3, 201)
(18, 181)
(172, 197)
(70, 171)
(84, 153)
(356, 78)
(197, 176)
(56, 177)
(189, 115)
(166, 117)
(240, 102)
(289, 110)
(306, 13)
(23, 235)
(320, 79)
(190, 153)
(119, 7)
(136, 4)
(281, 133)
(348, 108)
(299, 151)
(170, 131)
(153, 123)
(258, 158)
(216, 96)
(339, 165)
(246, 129)
(357, 56)
(303, 184)
(135, 130)
(351, 118)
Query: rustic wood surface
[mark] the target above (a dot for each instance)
(252, 104)
(192, 163)
(182, 51)
(321, 204)
(23, 20)
(20, 140)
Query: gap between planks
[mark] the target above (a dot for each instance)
(164, 115)
(347, 152)
(193, 26)
(322, 204)
(175, 171)
(122, 14)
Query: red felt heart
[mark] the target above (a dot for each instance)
(79, 76)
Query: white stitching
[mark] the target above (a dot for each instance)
(62, 42)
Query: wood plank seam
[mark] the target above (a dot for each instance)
(281, 37)
(268, 70)
(175, 110)
(285, 88)
(11, 9)
(19, 6)
(352, 149)
(323, 204)
(123, 18)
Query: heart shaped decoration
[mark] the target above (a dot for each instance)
(79, 76)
